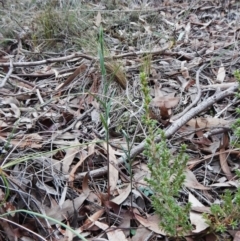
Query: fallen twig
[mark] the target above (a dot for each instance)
(81, 55)
(222, 86)
(188, 116)
(48, 61)
(172, 129)
(199, 93)
(3, 82)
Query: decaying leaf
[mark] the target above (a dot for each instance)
(113, 172)
(70, 155)
(98, 19)
(91, 220)
(196, 218)
(221, 74)
(237, 236)
(223, 156)
(67, 208)
(161, 105)
(123, 195)
(33, 140)
(151, 223)
(167, 102)
(191, 181)
(142, 234)
(83, 156)
(209, 122)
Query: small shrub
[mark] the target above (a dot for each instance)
(226, 215)
(167, 175)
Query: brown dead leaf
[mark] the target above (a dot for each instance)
(224, 164)
(126, 221)
(226, 184)
(68, 235)
(91, 220)
(9, 207)
(208, 122)
(96, 79)
(196, 218)
(201, 138)
(124, 193)
(223, 156)
(94, 198)
(142, 234)
(188, 84)
(85, 188)
(185, 74)
(212, 148)
(198, 221)
(113, 172)
(116, 235)
(211, 237)
(13, 111)
(187, 32)
(70, 154)
(98, 19)
(2, 195)
(33, 140)
(161, 107)
(112, 206)
(83, 157)
(113, 233)
(221, 74)
(11, 100)
(167, 102)
(82, 68)
(237, 236)
(140, 173)
(188, 239)
(201, 209)
(203, 142)
(151, 223)
(192, 182)
(8, 229)
(163, 101)
(101, 225)
(67, 208)
(3, 124)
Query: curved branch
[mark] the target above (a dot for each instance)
(188, 116)
(171, 130)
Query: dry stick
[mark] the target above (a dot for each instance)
(47, 61)
(85, 56)
(188, 116)
(199, 94)
(81, 55)
(171, 130)
(3, 82)
(60, 72)
(222, 86)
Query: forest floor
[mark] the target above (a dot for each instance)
(61, 178)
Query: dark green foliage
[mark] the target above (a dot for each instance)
(226, 215)
(167, 175)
